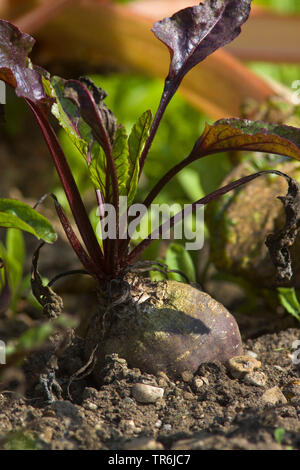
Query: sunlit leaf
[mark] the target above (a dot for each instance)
(288, 299)
(35, 337)
(65, 112)
(127, 26)
(5, 291)
(136, 142)
(120, 156)
(237, 134)
(15, 256)
(97, 168)
(279, 435)
(19, 440)
(15, 245)
(157, 275)
(195, 32)
(179, 259)
(100, 176)
(14, 47)
(16, 214)
(241, 134)
(90, 102)
(190, 181)
(14, 66)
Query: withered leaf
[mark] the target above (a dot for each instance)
(51, 302)
(279, 242)
(99, 95)
(93, 110)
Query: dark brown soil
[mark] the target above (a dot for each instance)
(216, 412)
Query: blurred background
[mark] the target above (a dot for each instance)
(256, 77)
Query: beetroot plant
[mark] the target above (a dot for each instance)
(167, 326)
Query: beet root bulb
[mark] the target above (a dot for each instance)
(175, 329)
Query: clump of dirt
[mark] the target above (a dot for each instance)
(210, 409)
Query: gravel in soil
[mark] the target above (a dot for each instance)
(209, 410)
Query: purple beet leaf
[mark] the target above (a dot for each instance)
(192, 34)
(17, 71)
(15, 68)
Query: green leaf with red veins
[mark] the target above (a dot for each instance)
(241, 134)
(98, 168)
(120, 156)
(192, 34)
(136, 142)
(66, 112)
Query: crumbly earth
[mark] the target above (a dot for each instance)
(210, 410)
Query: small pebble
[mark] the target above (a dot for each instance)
(163, 380)
(274, 396)
(255, 378)
(91, 406)
(187, 376)
(47, 434)
(158, 423)
(90, 394)
(251, 353)
(205, 380)
(115, 358)
(99, 426)
(167, 427)
(143, 443)
(128, 400)
(128, 424)
(49, 413)
(239, 366)
(147, 393)
(292, 389)
(198, 383)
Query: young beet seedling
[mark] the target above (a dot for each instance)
(166, 326)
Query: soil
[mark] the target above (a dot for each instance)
(208, 410)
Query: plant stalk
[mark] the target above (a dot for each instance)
(69, 185)
(136, 252)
